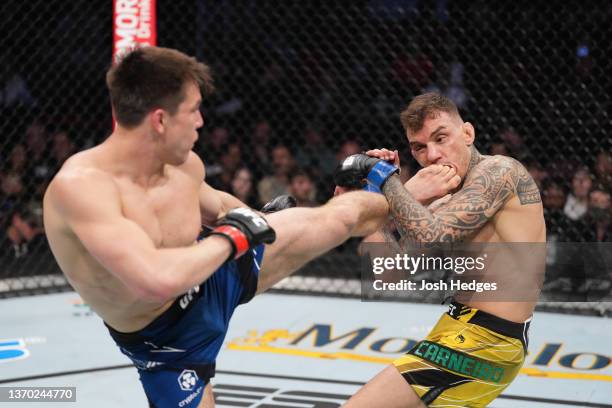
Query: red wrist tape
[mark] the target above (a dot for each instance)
(237, 237)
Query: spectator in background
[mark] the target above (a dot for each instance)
(11, 176)
(214, 144)
(218, 138)
(24, 229)
(242, 187)
(259, 144)
(277, 183)
(12, 195)
(36, 143)
(500, 148)
(230, 159)
(514, 144)
(62, 147)
(315, 155)
(348, 148)
(577, 201)
(11, 189)
(325, 185)
(14, 90)
(553, 199)
(38, 170)
(302, 188)
(557, 226)
(603, 170)
(600, 212)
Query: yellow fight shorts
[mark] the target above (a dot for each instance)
(467, 360)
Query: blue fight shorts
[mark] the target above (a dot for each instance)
(175, 354)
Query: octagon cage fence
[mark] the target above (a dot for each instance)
(302, 84)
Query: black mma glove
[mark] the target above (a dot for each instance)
(354, 169)
(281, 202)
(244, 229)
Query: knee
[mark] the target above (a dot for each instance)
(340, 214)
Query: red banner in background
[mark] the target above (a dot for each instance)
(134, 24)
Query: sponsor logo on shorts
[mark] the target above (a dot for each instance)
(191, 397)
(188, 297)
(187, 380)
(458, 362)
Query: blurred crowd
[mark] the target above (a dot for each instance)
(27, 166)
(262, 164)
(301, 86)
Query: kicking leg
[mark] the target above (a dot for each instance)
(208, 400)
(306, 233)
(387, 390)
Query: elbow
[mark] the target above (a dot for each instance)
(152, 291)
(155, 285)
(163, 288)
(158, 292)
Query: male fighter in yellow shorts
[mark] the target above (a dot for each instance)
(477, 348)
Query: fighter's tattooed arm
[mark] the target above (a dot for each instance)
(526, 189)
(488, 186)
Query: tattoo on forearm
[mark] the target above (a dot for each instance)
(387, 233)
(486, 189)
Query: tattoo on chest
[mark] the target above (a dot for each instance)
(487, 188)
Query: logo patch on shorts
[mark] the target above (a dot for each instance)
(458, 362)
(187, 380)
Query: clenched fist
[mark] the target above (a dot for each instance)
(432, 182)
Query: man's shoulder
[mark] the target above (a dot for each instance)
(81, 168)
(503, 172)
(499, 161)
(193, 166)
(499, 166)
(79, 176)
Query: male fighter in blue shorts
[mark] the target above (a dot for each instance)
(122, 220)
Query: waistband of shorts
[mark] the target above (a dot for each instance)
(173, 314)
(468, 314)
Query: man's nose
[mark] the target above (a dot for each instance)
(433, 154)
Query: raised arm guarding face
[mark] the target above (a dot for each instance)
(489, 184)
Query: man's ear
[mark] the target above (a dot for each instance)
(468, 133)
(158, 119)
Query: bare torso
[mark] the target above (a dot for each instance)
(168, 211)
(513, 223)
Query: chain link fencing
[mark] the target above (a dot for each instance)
(301, 85)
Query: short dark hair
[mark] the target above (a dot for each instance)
(425, 106)
(153, 77)
(299, 172)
